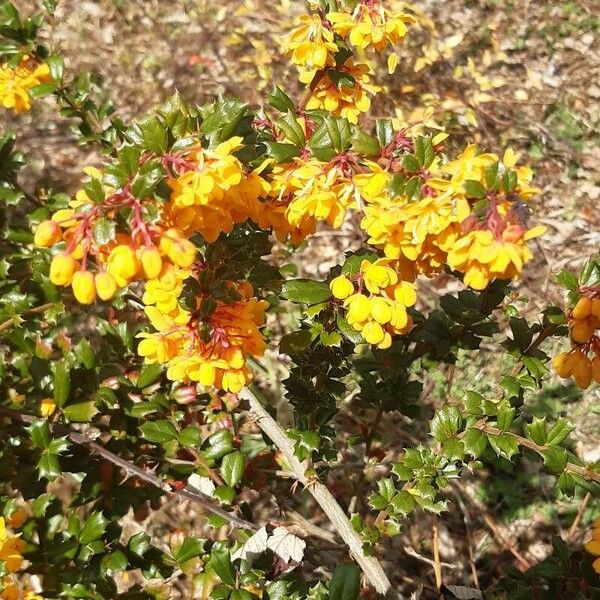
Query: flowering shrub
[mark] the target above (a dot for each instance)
(138, 313)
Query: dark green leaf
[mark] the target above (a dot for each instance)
(220, 561)
(62, 383)
(150, 374)
(159, 432)
(306, 291)
(232, 468)
(345, 583)
(94, 528)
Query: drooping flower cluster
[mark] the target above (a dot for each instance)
(582, 362)
(94, 260)
(593, 546)
(208, 348)
(16, 83)
(376, 300)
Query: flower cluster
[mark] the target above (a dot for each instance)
(208, 347)
(11, 556)
(96, 264)
(593, 546)
(376, 301)
(463, 219)
(582, 362)
(319, 47)
(214, 192)
(345, 91)
(16, 83)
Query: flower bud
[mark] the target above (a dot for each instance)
(359, 308)
(581, 331)
(151, 261)
(123, 262)
(186, 394)
(381, 310)
(596, 369)
(341, 287)
(84, 287)
(106, 286)
(47, 234)
(373, 332)
(62, 268)
(583, 308)
(180, 250)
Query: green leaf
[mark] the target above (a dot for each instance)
(154, 134)
(538, 431)
(159, 432)
(49, 467)
(104, 230)
(384, 131)
(411, 163)
(82, 412)
(56, 64)
(474, 189)
(559, 432)
(139, 544)
(504, 444)
(115, 562)
(348, 331)
(475, 442)
(220, 561)
(190, 548)
(278, 99)
(94, 190)
(445, 423)
(292, 130)
(555, 459)
(232, 468)
(94, 528)
(85, 354)
(345, 583)
(505, 416)
(150, 374)
(190, 436)
(305, 291)
(295, 341)
(567, 280)
(219, 444)
(282, 152)
(39, 431)
(62, 383)
(241, 595)
(40, 91)
(365, 144)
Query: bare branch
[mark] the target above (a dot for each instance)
(370, 566)
(187, 492)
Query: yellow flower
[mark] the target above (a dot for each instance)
(593, 546)
(106, 285)
(84, 287)
(15, 83)
(371, 25)
(311, 46)
(62, 268)
(210, 350)
(47, 234)
(349, 97)
(341, 287)
(47, 407)
(11, 548)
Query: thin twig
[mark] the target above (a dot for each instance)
(586, 472)
(575, 524)
(437, 567)
(188, 492)
(370, 566)
(32, 311)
